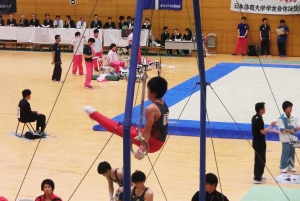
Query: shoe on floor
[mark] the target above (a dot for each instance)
(284, 170)
(59, 81)
(74, 74)
(269, 56)
(233, 54)
(88, 87)
(291, 169)
(259, 181)
(243, 54)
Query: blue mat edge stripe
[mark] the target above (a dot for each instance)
(191, 128)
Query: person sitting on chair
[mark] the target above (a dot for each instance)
(122, 22)
(48, 187)
(27, 115)
(165, 36)
(23, 21)
(109, 24)
(112, 59)
(139, 191)
(112, 175)
(175, 37)
(188, 36)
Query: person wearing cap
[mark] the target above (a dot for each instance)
(243, 29)
(47, 187)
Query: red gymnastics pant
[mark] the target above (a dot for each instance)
(117, 64)
(241, 42)
(96, 62)
(110, 125)
(77, 63)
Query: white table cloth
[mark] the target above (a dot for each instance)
(8, 33)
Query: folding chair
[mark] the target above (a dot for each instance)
(105, 67)
(18, 114)
(212, 41)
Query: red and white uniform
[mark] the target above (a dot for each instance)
(113, 61)
(77, 43)
(97, 49)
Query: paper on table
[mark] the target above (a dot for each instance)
(280, 31)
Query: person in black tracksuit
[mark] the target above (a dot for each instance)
(265, 37)
(211, 193)
(259, 142)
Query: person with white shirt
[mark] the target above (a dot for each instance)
(112, 59)
(81, 24)
(288, 125)
(129, 40)
(58, 23)
(77, 43)
(97, 49)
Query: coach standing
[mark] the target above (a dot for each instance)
(56, 60)
(259, 142)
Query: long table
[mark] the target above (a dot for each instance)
(180, 45)
(46, 35)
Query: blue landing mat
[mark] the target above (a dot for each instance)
(192, 128)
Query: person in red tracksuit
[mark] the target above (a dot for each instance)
(243, 29)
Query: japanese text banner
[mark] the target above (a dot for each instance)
(275, 7)
(163, 4)
(8, 6)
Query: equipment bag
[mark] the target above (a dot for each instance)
(253, 50)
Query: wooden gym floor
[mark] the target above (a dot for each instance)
(72, 146)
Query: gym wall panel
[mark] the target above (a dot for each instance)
(216, 4)
(296, 52)
(224, 36)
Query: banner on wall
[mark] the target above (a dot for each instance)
(8, 6)
(275, 7)
(163, 4)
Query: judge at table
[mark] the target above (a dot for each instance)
(109, 24)
(165, 36)
(96, 23)
(122, 22)
(188, 36)
(48, 23)
(81, 24)
(1, 21)
(23, 21)
(176, 36)
(58, 23)
(34, 22)
(11, 21)
(147, 24)
(69, 23)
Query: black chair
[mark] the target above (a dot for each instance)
(18, 114)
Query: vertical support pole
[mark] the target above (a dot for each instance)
(201, 67)
(129, 99)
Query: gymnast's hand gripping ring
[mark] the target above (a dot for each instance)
(144, 143)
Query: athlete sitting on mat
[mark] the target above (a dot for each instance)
(156, 115)
(139, 192)
(112, 175)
